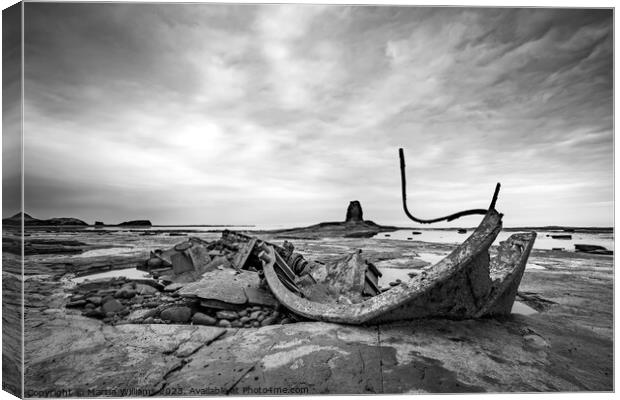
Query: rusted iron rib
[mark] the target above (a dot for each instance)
(451, 217)
(388, 305)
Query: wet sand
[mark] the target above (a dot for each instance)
(567, 345)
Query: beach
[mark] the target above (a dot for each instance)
(559, 338)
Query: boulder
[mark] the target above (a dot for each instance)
(176, 314)
(354, 212)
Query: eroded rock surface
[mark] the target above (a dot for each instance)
(567, 345)
(434, 356)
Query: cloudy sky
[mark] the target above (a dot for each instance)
(245, 114)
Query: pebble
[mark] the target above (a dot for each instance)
(267, 321)
(260, 318)
(243, 313)
(536, 342)
(243, 320)
(226, 314)
(203, 319)
(77, 303)
(255, 324)
(393, 283)
(148, 320)
(285, 321)
(107, 298)
(255, 314)
(236, 324)
(96, 300)
(125, 293)
(176, 314)
(256, 308)
(224, 323)
(112, 306)
(96, 313)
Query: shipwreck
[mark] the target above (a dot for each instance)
(246, 281)
(468, 283)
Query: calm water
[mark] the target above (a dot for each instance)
(542, 240)
(130, 273)
(433, 236)
(201, 228)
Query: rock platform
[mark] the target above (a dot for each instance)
(566, 346)
(430, 356)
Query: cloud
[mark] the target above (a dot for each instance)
(187, 113)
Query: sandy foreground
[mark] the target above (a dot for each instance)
(566, 346)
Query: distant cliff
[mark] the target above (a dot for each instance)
(30, 221)
(140, 222)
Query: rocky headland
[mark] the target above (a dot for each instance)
(16, 220)
(354, 226)
(139, 222)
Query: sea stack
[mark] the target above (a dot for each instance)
(354, 212)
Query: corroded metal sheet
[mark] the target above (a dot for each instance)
(242, 255)
(199, 256)
(181, 263)
(409, 300)
(260, 297)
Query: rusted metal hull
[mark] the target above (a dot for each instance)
(465, 284)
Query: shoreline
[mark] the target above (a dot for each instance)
(566, 345)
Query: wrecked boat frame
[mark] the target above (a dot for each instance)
(465, 284)
(239, 272)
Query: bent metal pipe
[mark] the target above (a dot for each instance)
(451, 217)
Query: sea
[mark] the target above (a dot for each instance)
(544, 239)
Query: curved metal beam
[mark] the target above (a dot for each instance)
(451, 217)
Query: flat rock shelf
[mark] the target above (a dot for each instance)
(565, 345)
